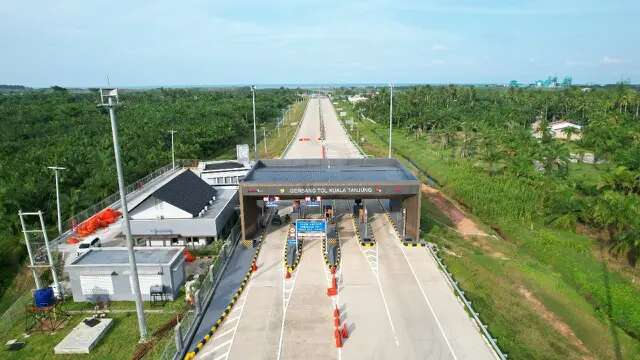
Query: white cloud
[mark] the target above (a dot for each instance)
(609, 60)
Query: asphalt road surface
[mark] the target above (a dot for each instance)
(393, 299)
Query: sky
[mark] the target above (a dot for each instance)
(78, 43)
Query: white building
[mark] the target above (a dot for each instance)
(227, 173)
(559, 130)
(357, 98)
(184, 211)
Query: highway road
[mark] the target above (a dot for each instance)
(394, 300)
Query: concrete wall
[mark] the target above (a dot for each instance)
(412, 204)
(249, 216)
(172, 279)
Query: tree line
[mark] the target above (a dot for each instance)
(490, 131)
(64, 128)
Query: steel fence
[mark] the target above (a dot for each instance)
(484, 329)
(113, 200)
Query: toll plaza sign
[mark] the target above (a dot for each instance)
(328, 190)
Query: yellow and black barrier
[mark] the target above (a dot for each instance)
(192, 354)
(371, 243)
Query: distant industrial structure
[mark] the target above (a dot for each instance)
(549, 82)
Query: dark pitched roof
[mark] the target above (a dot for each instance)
(187, 192)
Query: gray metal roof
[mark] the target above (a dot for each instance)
(299, 171)
(187, 192)
(223, 165)
(120, 255)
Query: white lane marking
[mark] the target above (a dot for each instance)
(237, 325)
(222, 334)
(286, 298)
(424, 294)
(222, 345)
(376, 275)
(335, 302)
(221, 356)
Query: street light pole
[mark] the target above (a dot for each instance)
(390, 116)
(55, 170)
(255, 136)
(110, 95)
(173, 153)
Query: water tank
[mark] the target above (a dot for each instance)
(43, 297)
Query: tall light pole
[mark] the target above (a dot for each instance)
(255, 136)
(56, 169)
(390, 116)
(111, 98)
(173, 153)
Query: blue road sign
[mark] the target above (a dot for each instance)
(311, 226)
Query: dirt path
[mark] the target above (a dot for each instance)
(557, 324)
(466, 227)
(463, 224)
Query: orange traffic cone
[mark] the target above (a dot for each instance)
(333, 270)
(254, 267)
(345, 332)
(287, 275)
(336, 322)
(338, 337)
(336, 312)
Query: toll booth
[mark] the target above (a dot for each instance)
(313, 179)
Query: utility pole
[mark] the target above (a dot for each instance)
(173, 153)
(111, 97)
(255, 136)
(56, 169)
(390, 116)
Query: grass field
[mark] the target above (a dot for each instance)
(541, 290)
(119, 343)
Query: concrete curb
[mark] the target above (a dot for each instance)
(357, 232)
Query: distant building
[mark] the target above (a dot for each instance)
(356, 99)
(226, 173)
(102, 274)
(559, 130)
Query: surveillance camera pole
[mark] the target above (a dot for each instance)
(110, 105)
(56, 169)
(255, 136)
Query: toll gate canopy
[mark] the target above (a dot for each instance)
(331, 179)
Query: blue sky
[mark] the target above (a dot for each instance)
(152, 43)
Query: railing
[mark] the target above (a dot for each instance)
(113, 200)
(355, 143)
(188, 325)
(294, 138)
(433, 250)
